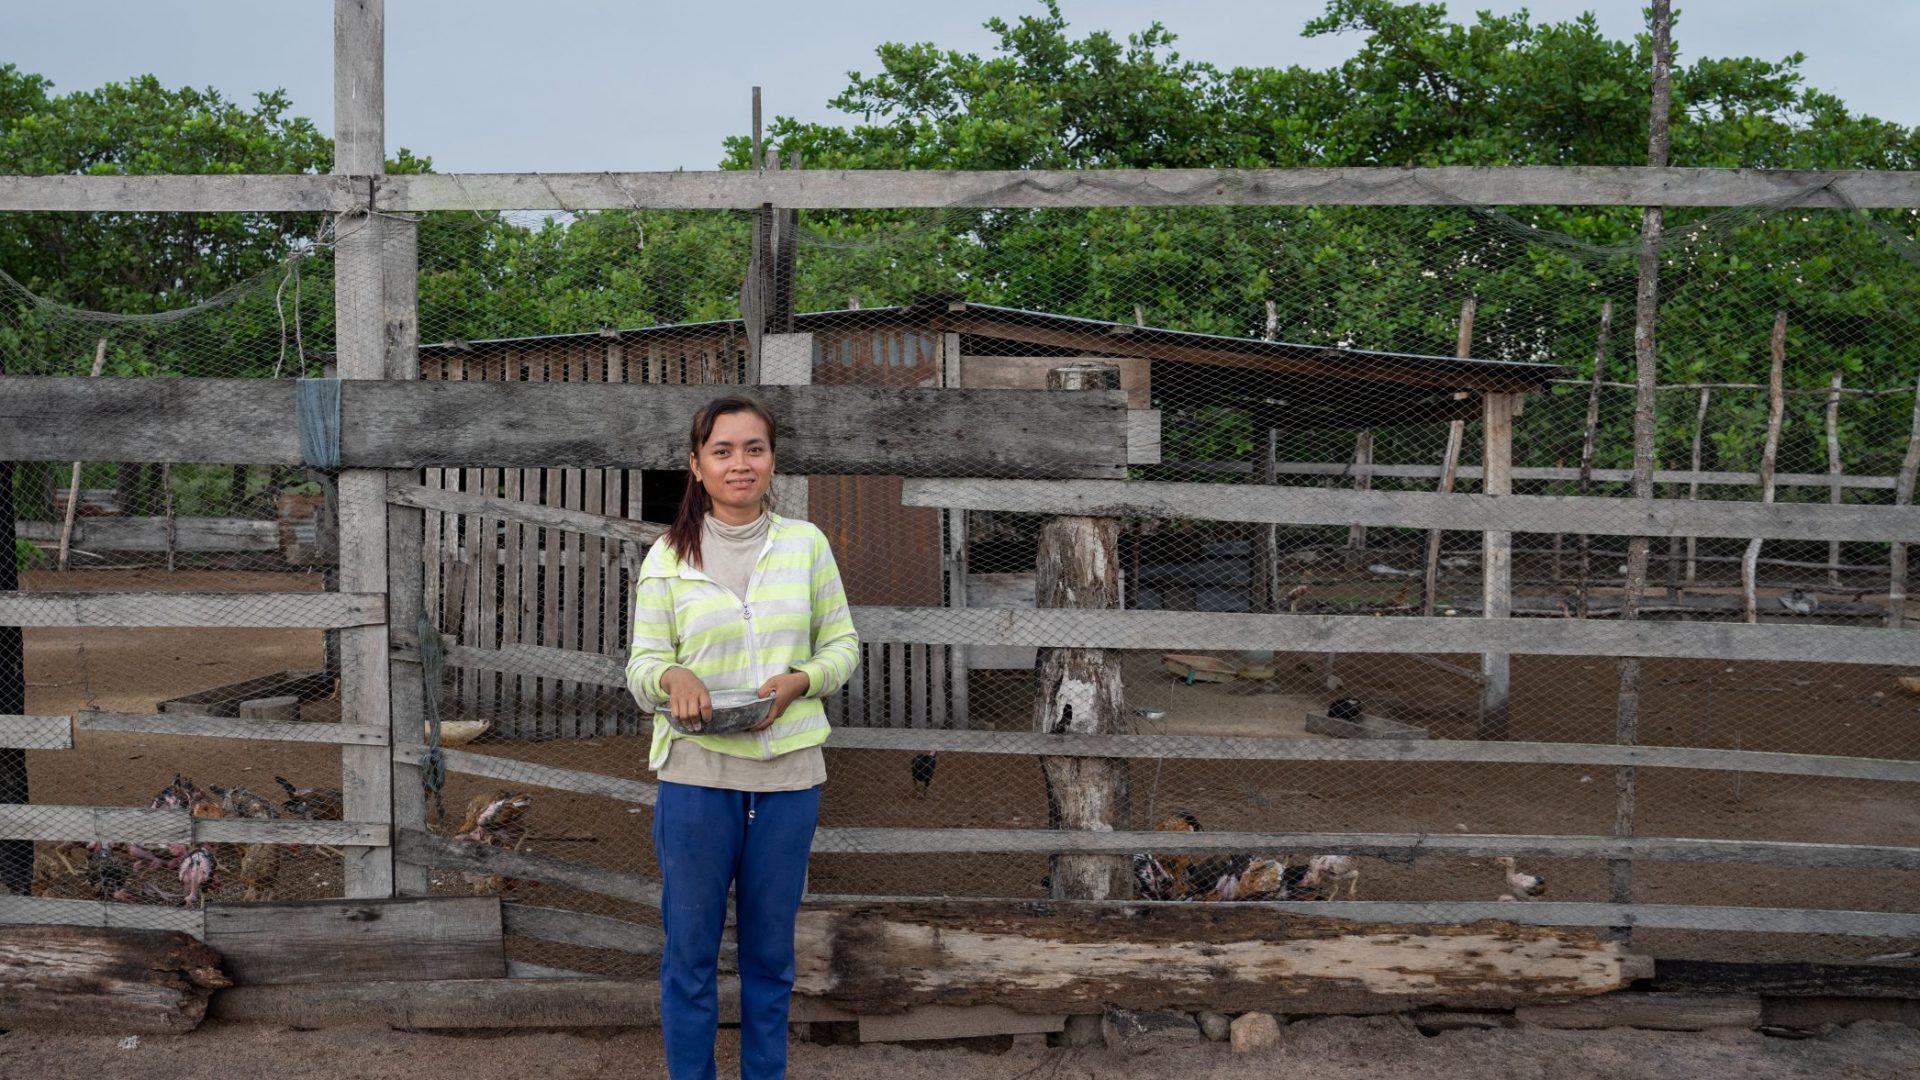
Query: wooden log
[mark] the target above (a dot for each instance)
(108, 982)
(1449, 461)
(1786, 980)
(1903, 496)
(1079, 691)
(1776, 405)
(393, 424)
(369, 940)
(1626, 724)
(1836, 494)
(1648, 1011)
(1496, 563)
(1063, 956)
(471, 1004)
(889, 189)
(276, 610)
(1416, 509)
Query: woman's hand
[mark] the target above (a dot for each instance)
(786, 689)
(687, 698)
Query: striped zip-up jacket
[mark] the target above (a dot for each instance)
(793, 618)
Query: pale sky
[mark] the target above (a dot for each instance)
(585, 85)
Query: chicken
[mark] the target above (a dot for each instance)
(258, 864)
(496, 820)
(197, 868)
(1217, 877)
(1344, 709)
(1151, 879)
(1263, 879)
(1523, 886)
(1799, 602)
(1176, 865)
(921, 768)
(312, 803)
(1322, 869)
(180, 794)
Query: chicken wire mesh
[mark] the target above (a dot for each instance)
(1301, 347)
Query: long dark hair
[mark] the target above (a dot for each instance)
(684, 535)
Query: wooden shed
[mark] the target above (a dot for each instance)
(496, 585)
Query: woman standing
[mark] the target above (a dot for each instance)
(735, 597)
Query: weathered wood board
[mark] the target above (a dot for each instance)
(326, 941)
(848, 430)
(111, 982)
(1063, 957)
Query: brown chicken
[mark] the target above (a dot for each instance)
(257, 865)
(312, 803)
(496, 820)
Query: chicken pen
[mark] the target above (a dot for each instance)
(1200, 668)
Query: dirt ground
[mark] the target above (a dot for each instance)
(1339, 1048)
(1804, 708)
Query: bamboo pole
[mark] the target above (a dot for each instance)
(1835, 493)
(1586, 452)
(1693, 488)
(1626, 724)
(1750, 566)
(1903, 496)
(1450, 463)
(73, 486)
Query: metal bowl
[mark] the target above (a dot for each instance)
(733, 711)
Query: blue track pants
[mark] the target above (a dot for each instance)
(708, 839)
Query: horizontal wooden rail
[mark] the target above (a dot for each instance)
(1472, 472)
(1756, 920)
(1264, 504)
(1219, 748)
(226, 727)
(468, 763)
(317, 610)
(1193, 631)
(425, 849)
(880, 189)
(882, 841)
(861, 430)
(29, 910)
(152, 828)
(36, 732)
(639, 533)
(542, 660)
(580, 928)
(190, 534)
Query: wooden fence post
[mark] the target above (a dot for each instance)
(1496, 559)
(1903, 496)
(406, 537)
(360, 325)
(1450, 463)
(1079, 693)
(958, 662)
(1836, 494)
(1750, 565)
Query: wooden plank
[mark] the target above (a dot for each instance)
(580, 928)
(155, 828)
(879, 189)
(1775, 980)
(430, 850)
(543, 661)
(1554, 473)
(1496, 561)
(315, 610)
(468, 763)
(477, 1004)
(1408, 750)
(403, 939)
(954, 1022)
(36, 732)
(366, 772)
(1199, 631)
(17, 910)
(572, 590)
(221, 727)
(1460, 913)
(105, 982)
(195, 534)
(407, 571)
(850, 430)
(1418, 510)
(897, 684)
(1648, 1011)
(1083, 957)
(851, 840)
